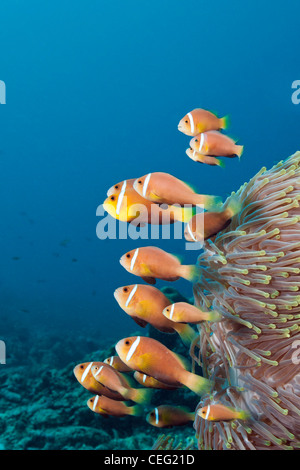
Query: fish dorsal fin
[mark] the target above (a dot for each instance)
(191, 187)
(183, 361)
(178, 257)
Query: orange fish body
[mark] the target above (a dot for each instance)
(85, 377)
(152, 263)
(216, 144)
(166, 416)
(106, 406)
(117, 188)
(220, 412)
(114, 380)
(152, 358)
(151, 382)
(210, 223)
(129, 206)
(145, 304)
(164, 188)
(116, 363)
(200, 158)
(187, 313)
(199, 120)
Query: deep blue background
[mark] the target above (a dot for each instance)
(95, 91)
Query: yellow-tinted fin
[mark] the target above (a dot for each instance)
(186, 333)
(183, 361)
(225, 122)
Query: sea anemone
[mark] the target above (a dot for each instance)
(250, 274)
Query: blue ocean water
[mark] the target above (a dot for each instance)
(94, 93)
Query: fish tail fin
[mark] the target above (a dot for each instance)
(197, 384)
(136, 410)
(139, 395)
(212, 203)
(244, 415)
(225, 122)
(190, 272)
(183, 214)
(220, 163)
(214, 316)
(186, 333)
(239, 150)
(233, 205)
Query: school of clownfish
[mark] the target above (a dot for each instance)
(161, 198)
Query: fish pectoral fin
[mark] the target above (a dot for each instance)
(154, 197)
(150, 280)
(141, 323)
(143, 362)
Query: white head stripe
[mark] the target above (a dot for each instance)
(86, 372)
(95, 402)
(146, 182)
(111, 360)
(194, 153)
(134, 259)
(131, 295)
(120, 198)
(172, 311)
(201, 142)
(98, 372)
(191, 233)
(191, 122)
(207, 413)
(144, 378)
(133, 348)
(156, 416)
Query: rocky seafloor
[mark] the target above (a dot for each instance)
(42, 406)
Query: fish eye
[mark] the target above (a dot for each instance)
(128, 255)
(187, 122)
(168, 309)
(112, 198)
(125, 289)
(117, 186)
(152, 413)
(140, 181)
(127, 342)
(81, 367)
(96, 368)
(196, 140)
(91, 400)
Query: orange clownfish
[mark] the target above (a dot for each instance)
(152, 358)
(165, 416)
(164, 188)
(199, 120)
(187, 313)
(152, 263)
(145, 305)
(151, 382)
(128, 206)
(210, 223)
(216, 144)
(112, 379)
(219, 412)
(116, 363)
(117, 188)
(85, 377)
(105, 406)
(198, 157)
